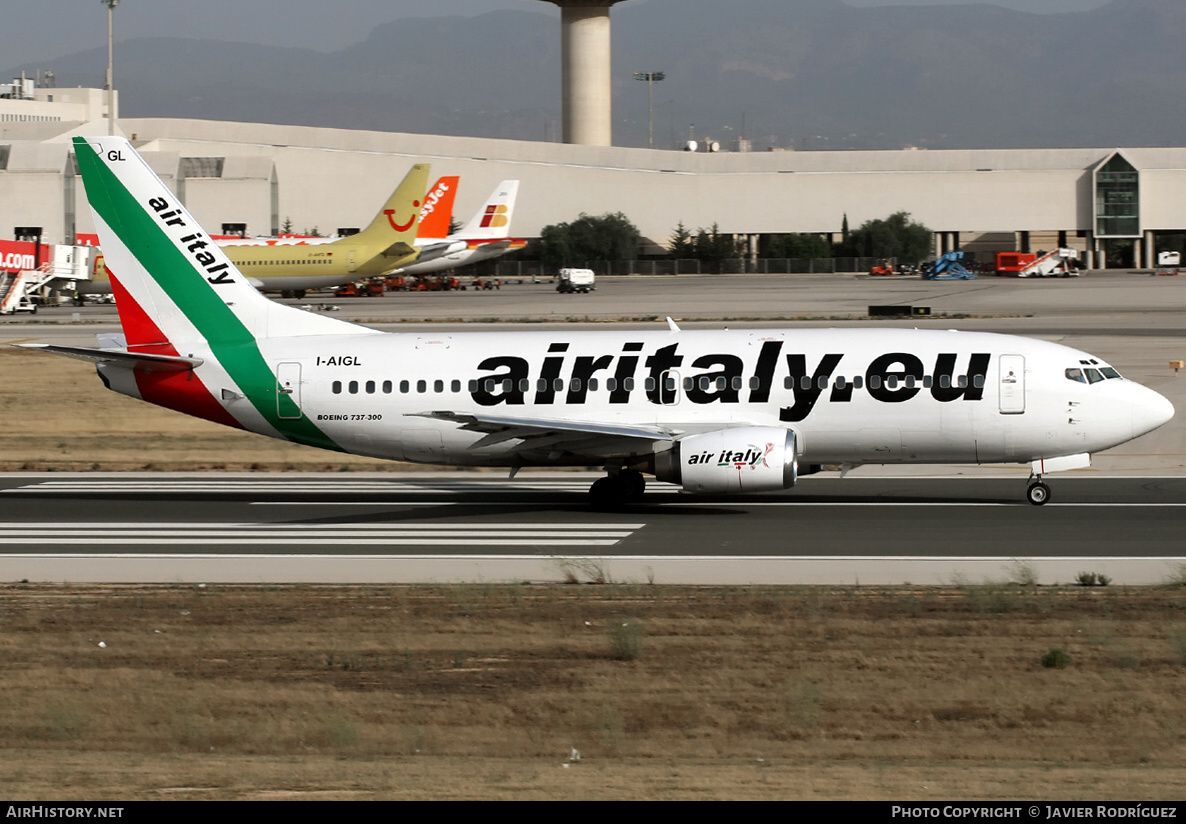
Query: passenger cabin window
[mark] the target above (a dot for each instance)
(337, 387)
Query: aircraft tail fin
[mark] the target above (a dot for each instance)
(437, 211)
(494, 219)
(173, 284)
(394, 227)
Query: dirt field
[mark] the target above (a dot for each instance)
(485, 691)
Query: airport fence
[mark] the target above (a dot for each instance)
(735, 266)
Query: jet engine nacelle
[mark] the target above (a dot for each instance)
(751, 459)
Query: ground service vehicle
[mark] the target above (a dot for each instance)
(575, 280)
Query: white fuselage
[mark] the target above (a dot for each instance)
(850, 396)
(458, 252)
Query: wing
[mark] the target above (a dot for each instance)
(587, 438)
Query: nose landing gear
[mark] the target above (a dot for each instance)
(1037, 493)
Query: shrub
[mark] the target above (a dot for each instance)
(1056, 659)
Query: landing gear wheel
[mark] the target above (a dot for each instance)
(607, 494)
(633, 483)
(1038, 493)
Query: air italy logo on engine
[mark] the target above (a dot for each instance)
(752, 456)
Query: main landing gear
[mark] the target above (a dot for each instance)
(618, 488)
(1038, 493)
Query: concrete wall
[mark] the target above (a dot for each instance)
(328, 178)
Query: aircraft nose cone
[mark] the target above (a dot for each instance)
(1149, 411)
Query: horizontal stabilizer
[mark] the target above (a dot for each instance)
(120, 357)
(398, 249)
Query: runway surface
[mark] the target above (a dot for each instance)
(459, 526)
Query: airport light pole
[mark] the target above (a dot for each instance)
(651, 79)
(110, 4)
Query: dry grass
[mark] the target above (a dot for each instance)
(483, 691)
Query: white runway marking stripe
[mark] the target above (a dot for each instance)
(486, 534)
(296, 485)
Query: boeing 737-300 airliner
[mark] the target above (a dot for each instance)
(713, 411)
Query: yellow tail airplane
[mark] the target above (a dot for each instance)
(293, 265)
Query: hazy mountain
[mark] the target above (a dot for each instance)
(812, 73)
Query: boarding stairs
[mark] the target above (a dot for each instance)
(947, 267)
(18, 289)
(1055, 263)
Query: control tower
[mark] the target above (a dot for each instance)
(585, 76)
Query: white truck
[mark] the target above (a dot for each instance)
(575, 280)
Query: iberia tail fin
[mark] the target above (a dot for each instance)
(494, 219)
(438, 209)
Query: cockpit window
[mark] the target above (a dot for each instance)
(1076, 374)
(1109, 372)
(1093, 375)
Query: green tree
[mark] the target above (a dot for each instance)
(795, 245)
(588, 238)
(682, 245)
(896, 236)
(713, 247)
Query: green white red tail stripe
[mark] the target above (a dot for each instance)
(177, 285)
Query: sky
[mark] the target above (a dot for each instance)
(38, 31)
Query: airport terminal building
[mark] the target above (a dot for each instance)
(255, 177)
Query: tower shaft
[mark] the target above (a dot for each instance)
(585, 73)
